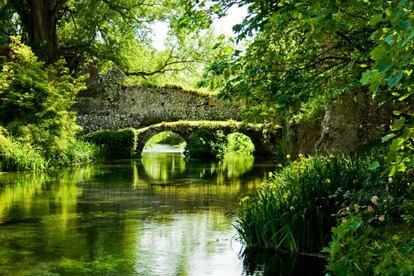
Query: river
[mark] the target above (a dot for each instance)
(158, 215)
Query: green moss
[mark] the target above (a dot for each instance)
(115, 143)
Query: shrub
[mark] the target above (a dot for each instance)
(19, 157)
(115, 143)
(36, 101)
(82, 152)
(374, 235)
(294, 210)
(206, 143)
(239, 143)
(360, 248)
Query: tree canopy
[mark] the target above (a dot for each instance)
(302, 54)
(107, 34)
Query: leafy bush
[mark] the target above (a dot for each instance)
(19, 157)
(36, 101)
(359, 248)
(239, 143)
(35, 108)
(293, 211)
(82, 152)
(115, 143)
(374, 235)
(206, 143)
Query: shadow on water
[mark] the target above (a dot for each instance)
(159, 215)
(260, 262)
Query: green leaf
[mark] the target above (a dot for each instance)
(387, 137)
(379, 53)
(403, 3)
(374, 166)
(405, 25)
(384, 64)
(405, 96)
(377, 18)
(398, 124)
(389, 39)
(394, 80)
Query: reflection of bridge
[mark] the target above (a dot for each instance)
(264, 137)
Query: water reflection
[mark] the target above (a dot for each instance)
(269, 262)
(166, 166)
(161, 215)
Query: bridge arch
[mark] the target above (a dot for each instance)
(165, 137)
(263, 137)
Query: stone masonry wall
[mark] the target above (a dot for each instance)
(349, 124)
(112, 106)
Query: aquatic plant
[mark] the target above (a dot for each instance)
(294, 211)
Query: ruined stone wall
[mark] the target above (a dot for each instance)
(112, 106)
(349, 124)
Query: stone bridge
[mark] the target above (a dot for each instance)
(264, 137)
(112, 106)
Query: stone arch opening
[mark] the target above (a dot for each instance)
(165, 141)
(238, 142)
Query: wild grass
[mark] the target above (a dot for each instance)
(82, 152)
(294, 210)
(20, 156)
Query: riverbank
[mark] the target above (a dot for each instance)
(342, 207)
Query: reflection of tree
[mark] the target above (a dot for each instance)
(200, 183)
(236, 164)
(163, 166)
(18, 189)
(46, 226)
(109, 219)
(168, 166)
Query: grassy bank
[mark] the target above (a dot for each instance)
(19, 156)
(343, 204)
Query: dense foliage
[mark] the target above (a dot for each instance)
(238, 143)
(112, 34)
(206, 143)
(35, 109)
(115, 143)
(299, 55)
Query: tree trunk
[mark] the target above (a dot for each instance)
(39, 18)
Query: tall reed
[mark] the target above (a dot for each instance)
(294, 211)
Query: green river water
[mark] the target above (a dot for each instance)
(158, 215)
